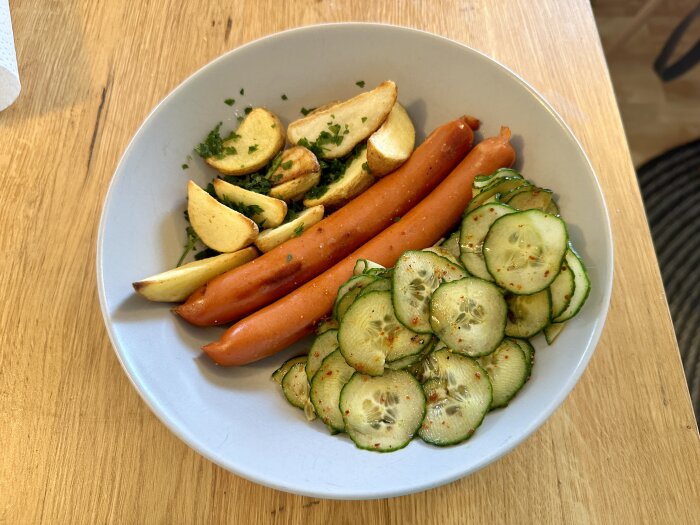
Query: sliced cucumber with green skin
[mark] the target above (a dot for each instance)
(380, 285)
(582, 287)
(382, 413)
(323, 345)
(469, 315)
(416, 275)
(507, 369)
(475, 226)
(353, 285)
(295, 387)
(529, 352)
(525, 186)
(445, 253)
(483, 181)
(501, 186)
(553, 331)
(326, 385)
(528, 314)
(279, 374)
(532, 199)
(451, 244)
(562, 289)
(456, 402)
(370, 334)
(524, 250)
(364, 265)
(411, 360)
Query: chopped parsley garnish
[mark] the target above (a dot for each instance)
(360, 83)
(306, 111)
(289, 257)
(249, 211)
(239, 118)
(396, 219)
(252, 148)
(294, 208)
(256, 182)
(365, 167)
(192, 239)
(299, 230)
(242, 91)
(286, 165)
(233, 136)
(212, 145)
(248, 110)
(205, 254)
(284, 97)
(228, 150)
(332, 171)
(230, 101)
(364, 119)
(185, 166)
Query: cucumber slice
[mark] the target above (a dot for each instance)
(380, 285)
(528, 314)
(529, 352)
(364, 265)
(323, 345)
(416, 276)
(326, 385)
(475, 226)
(507, 369)
(525, 186)
(469, 315)
(326, 324)
(348, 292)
(482, 181)
(524, 250)
(445, 253)
(582, 287)
(456, 402)
(411, 360)
(562, 289)
(370, 334)
(533, 198)
(553, 331)
(451, 244)
(295, 387)
(279, 374)
(382, 413)
(500, 186)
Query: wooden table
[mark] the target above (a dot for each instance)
(79, 445)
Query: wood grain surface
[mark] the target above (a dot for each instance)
(78, 444)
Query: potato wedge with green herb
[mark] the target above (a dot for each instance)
(294, 163)
(266, 211)
(337, 129)
(179, 283)
(269, 239)
(354, 181)
(392, 144)
(218, 226)
(296, 188)
(254, 144)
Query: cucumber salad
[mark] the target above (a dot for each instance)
(430, 346)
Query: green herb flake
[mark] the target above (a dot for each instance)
(242, 91)
(365, 167)
(299, 230)
(239, 119)
(230, 101)
(233, 136)
(205, 254)
(212, 145)
(248, 110)
(364, 119)
(306, 111)
(192, 239)
(252, 211)
(256, 182)
(396, 219)
(289, 257)
(286, 165)
(360, 83)
(252, 148)
(185, 166)
(284, 97)
(230, 150)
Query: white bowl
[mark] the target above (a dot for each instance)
(237, 417)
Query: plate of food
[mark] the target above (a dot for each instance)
(354, 261)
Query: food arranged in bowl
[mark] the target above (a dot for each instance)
(424, 273)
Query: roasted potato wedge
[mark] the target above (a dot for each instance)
(218, 226)
(179, 283)
(392, 144)
(296, 188)
(355, 180)
(351, 121)
(256, 142)
(272, 211)
(295, 162)
(269, 239)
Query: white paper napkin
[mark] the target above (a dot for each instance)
(9, 76)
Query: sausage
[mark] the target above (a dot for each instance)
(253, 285)
(287, 320)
